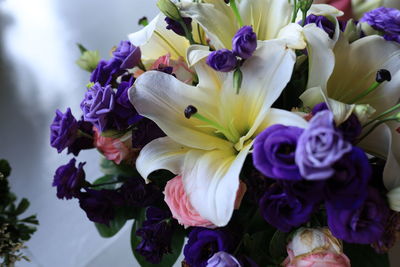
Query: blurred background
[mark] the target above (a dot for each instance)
(38, 75)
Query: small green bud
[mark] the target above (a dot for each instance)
(364, 112)
(90, 85)
(305, 5)
(88, 60)
(169, 9)
(143, 21)
(237, 80)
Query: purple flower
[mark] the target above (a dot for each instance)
(222, 60)
(222, 259)
(244, 42)
(350, 129)
(99, 205)
(63, 130)
(128, 54)
(137, 193)
(386, 20)
(203, 244)
(274, 152)
(98, 103)
(284, 210)
(348, 187)
(106, 72)
(319, 147)
(364, 225)
(69, 180)
(84, 139)
(176, 27)
(321, 22)
(156, 233)
(145, 132)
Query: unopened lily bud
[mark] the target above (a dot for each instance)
(88, 60)
(363, 112)
(169, 9)
(352, 31)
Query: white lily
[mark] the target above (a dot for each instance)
(354, 71)
(156, 41)
(270, 19)
(210, 161)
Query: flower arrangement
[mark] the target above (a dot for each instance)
(266, 132)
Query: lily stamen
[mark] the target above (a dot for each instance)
(191, 111)
(381, 76)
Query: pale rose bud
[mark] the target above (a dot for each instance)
(315, 247)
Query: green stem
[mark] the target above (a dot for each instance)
(303, 22)
(188, 33)
(376, 126)
(83, 134)
(381, 116)
(236, 12)
(365, 93)
(295, 11)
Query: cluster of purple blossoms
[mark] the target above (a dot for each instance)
(244, 43)
(176, 26)
(385, 20)
(320, 165)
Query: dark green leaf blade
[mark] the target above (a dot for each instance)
(365, 256)
(114, 227)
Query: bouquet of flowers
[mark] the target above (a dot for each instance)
(266, 132)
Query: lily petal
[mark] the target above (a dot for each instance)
(163, 99)
(208, 78)
(280, 116)
(265, 75)
(156, 41)
(211, 180)
(216, 18)
(161, 153)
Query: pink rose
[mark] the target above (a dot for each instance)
(344, 5)
(112, 148)
(315, 248)
(179, 204)
(180, 68)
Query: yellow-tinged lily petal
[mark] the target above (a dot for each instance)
(267, 17)
(156, 41)
(162, 153)
(355, 72)
(163, 99)
(211, 180)
(216, 18)
(279, 116)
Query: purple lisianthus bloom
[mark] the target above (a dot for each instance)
(176, 27)
(244, 43)
(386, 20)
(274, 152)
(348, 187)
(145, 132)
(203, 244)
(99, 205)
(137, 193)
(106, 72)
(98, 103)
(69, 180)
(284, 210)
(364, 225)
(156, 233)
(128, 54)
(350, 129)
(222, 259)
(222, 60)
(321, 22)
(84, 139)
(319, 147)
(63, 130)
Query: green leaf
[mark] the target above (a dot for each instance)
(108, 167)
(113, 134)
(22, 206)
(105, 180)
(256, 246)
(168, 260)
(114, 227)
(365, 256)
(5, 168)
(277, 245)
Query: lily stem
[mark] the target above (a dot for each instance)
(188, 33)
(374, 127)
(387, 112)
(236, 12)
